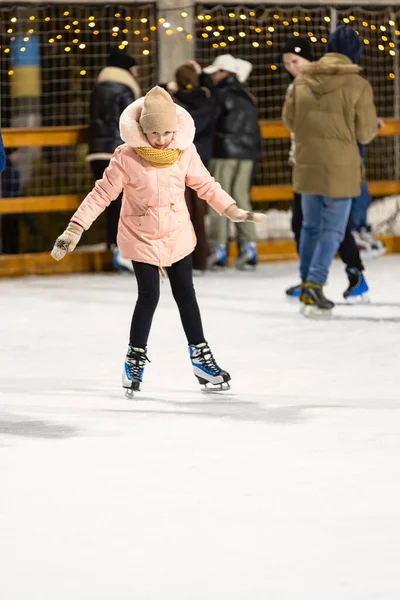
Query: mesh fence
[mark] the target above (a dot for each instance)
(258, 33)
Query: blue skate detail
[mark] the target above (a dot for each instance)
(218, 256)
(294, 292)
(358, 285)
(248, 255)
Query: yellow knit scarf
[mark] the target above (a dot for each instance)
(161, 159)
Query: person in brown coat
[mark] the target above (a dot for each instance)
(329, 109)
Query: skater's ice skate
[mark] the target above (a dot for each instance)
(377, 248)
(218, 257)
(121, 264)
(293, 293)
(248, 256)
(314, 304)
(133, 370)
(357, 292)
(210, 376)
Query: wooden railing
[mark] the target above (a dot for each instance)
(71, 136)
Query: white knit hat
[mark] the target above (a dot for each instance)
(223, 62)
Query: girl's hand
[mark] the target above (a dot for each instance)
(172, 87)
(67, 241)
(238, 215)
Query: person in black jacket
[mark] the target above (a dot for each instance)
(116, 87)
(237, 146)
(201, 105)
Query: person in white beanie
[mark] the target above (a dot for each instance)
(152, 169)
(237, 146)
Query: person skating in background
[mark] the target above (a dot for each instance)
(153, 168)
(296, 54)
(237, 145)
(201, 105)
(369, 247)
(329, 109)
(116, 87)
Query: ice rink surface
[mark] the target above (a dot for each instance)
(285, 488)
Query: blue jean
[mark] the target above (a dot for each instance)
(359, 209)
(324, 226)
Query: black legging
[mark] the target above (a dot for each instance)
(348, 249)
(181, 280)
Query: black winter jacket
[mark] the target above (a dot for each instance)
(237, 132)
(112, 93)
(202, 106)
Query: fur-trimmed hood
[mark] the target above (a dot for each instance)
(328, 73)
(132, 134)
(117, 75)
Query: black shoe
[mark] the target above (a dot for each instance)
(312, 295)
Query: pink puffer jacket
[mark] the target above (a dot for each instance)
(154, 225)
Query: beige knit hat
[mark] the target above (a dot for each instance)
(159, 112)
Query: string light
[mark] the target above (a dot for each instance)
(231, 38)
(22, 49)
(125, 42)
(77, 31)
(222, 44)
(209, 28)
(92, 24)
(59, 37)
(269, 43)
(169, 32)
(295, 20)
(366, 42)
(274, 67)
(184, 15)
(276, 17)
(163, 20)
(75, 41)
(128, 18)
(271, 29)
(125, 31)
(7, 50)
(392, 53)
(392, 75)
(117, 15)
(83, 72)
(258, 30)
(189, 36)
(324, 40)
(286, 23)
(47, 19)
(217, 33)
(204, 35)
(82, 46)
(380, 47)
(115, 29)
(13, 19)
(256, 44)
(252, 14)
(31, 31)
(153, 28)
(180, 29)
(67, 27)
(146, 52)
(215, 45)
(208, 17)
(91, 19)
(32, 18)
(121, 47)
(391, 23)
(67, 49)
(114, 34)
(26, 39)
(11, 72)
(242, 34)
(384, 38)
(96, 32)
(137, 32)
(313, 39)
(391, 44)
(51, 41)
(66, 13)
(9, 30)
(221, 27)
(75, 22)
(365, 24)
(383, 28)
(296, 33)
(352, 18)
(327, 19)
(232, 15)
(307, 19)
(243, 17)
(373, 27)
(143, 20)
(346, 20)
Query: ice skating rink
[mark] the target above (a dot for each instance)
(286, 488)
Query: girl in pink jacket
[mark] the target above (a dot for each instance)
(152, 168)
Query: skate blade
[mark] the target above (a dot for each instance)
(361, 299)
(129, 394)
(210, 388)
(292, 299)
(313, 312)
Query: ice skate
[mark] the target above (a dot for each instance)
(121, 264)
(314, 304)
(248, 257)
(133, 370)
(218, 257)
(210, 376)
(293, 293)
(377, 248)
(357, 292)
(363, 246)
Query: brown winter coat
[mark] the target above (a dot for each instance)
(330, 109)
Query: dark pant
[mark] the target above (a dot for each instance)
(197, 211)
(148, 280)
(348, 249)
(112, 212)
